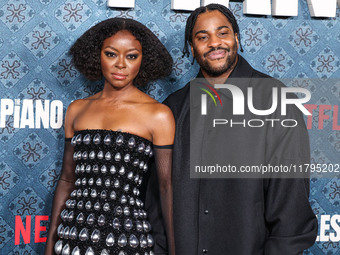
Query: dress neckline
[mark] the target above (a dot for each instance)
(112, 131)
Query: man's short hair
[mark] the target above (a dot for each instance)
(191, 21)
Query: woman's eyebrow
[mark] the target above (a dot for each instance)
(113, 48)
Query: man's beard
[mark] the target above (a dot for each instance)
(217, 71)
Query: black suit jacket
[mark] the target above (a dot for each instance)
(239, 216)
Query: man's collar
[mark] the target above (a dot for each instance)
(242, 69)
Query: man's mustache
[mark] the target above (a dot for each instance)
(214, 49)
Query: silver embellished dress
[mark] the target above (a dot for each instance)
(104, 214)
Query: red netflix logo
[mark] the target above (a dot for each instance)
(26, 232)
(325, 114)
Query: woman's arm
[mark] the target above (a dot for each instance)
(163, 137)
(65, 184)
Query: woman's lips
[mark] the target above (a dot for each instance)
(119, 76)
(216, 54)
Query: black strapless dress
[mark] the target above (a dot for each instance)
(104, 214)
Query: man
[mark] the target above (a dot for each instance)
(242, 216)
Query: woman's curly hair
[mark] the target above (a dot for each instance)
(85, 52)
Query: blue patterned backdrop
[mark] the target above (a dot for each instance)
(34, 65)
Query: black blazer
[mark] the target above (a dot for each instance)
(238, 216)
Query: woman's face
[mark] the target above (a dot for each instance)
(121, 58)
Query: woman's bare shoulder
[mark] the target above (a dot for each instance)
(159, 114)
(76, 107)
(153, 107)
(78, 104)
(161, 123)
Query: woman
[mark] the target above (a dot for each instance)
(110, 137)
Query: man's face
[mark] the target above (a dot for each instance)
(214, 44)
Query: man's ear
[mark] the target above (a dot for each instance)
(192, 50)
(237, 41)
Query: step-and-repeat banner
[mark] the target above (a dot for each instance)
(38, 82)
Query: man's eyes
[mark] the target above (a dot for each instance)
(201, 38)
(220, 34)
(224, 33)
